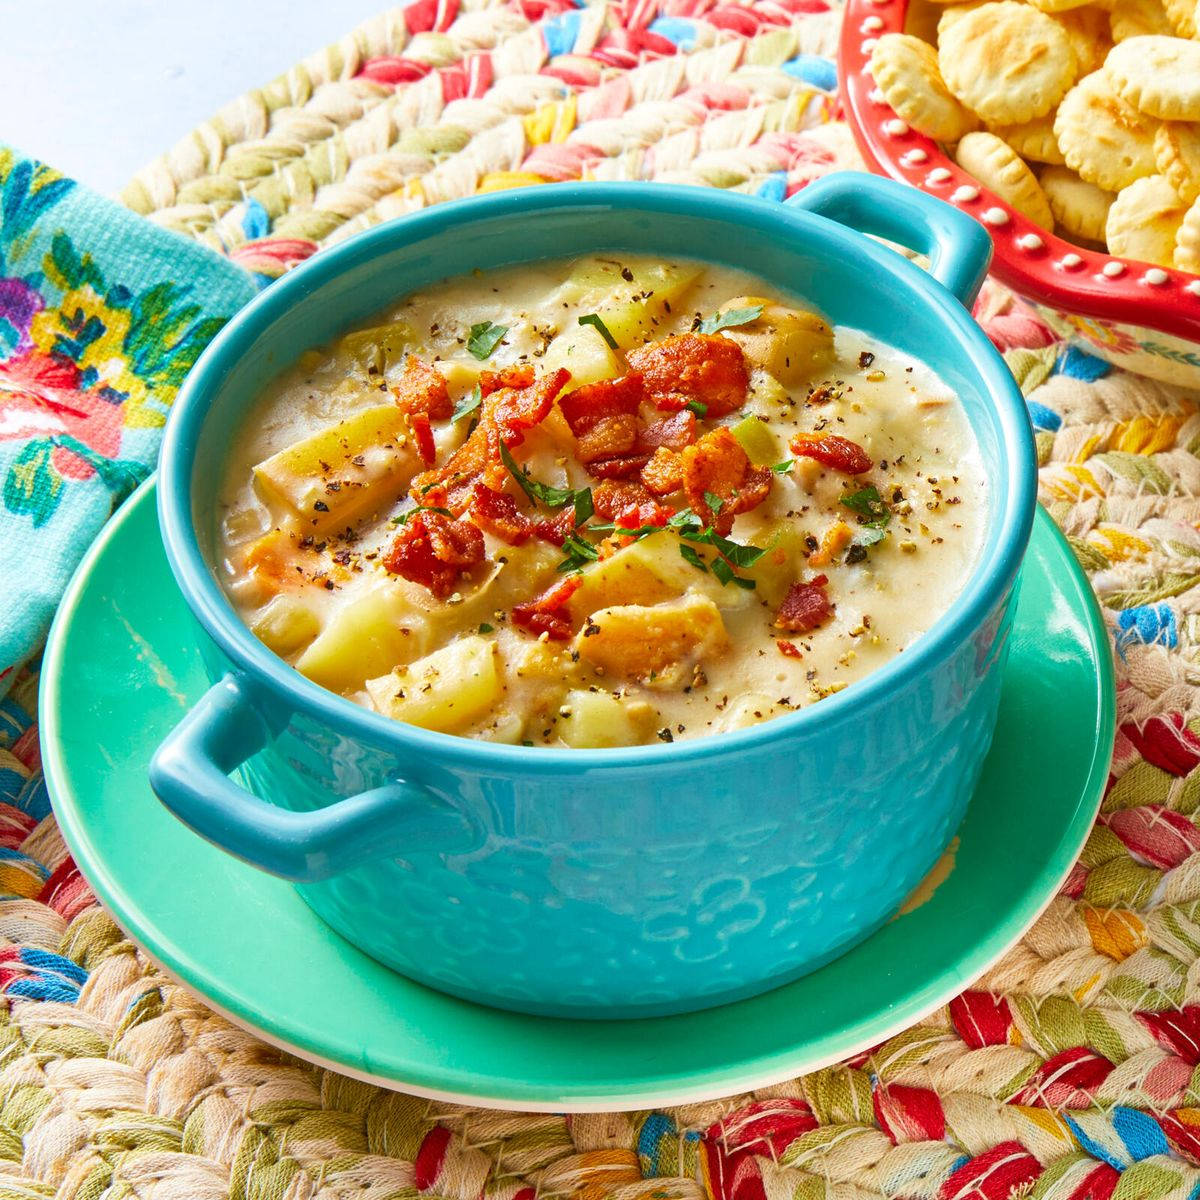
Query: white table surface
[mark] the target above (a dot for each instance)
(98, 90)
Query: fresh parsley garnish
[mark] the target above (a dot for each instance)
(484, 627)
(594, 320)
(782, 468)
(405, 517)
(698, 407)
(714, 501)
(551, 497)
(585, 507)
(467, 405)
(483, 339)
(869, 505)
(734, 316)
(689, 555)
(578, 553)
(873, 516)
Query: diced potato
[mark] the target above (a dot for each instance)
(338, 475)
(782, 564)
(632, 309)
(445, 690)
(285, 625)
(584, 353)
(369, 636)
(506, 728)
(530, 567)
(459, 376)
(792, 344)
(652, 644)
(593, 279)
(650, 571)
(599, 720)
(646, 572)
(748, 710)
(380, 347)
(757, 440)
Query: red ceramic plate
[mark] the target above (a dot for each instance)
(1130, 301)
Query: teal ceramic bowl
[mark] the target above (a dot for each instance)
(602, 883)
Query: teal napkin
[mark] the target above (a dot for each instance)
(102, 314)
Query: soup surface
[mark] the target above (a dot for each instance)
(599, 502)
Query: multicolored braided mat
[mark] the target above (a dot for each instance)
(1069, 1071)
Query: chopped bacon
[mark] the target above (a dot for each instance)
(673, 432)
(513, 410)
(637, 516)
(663, 474)
(702, 367)
(603, 417)
(423, 433)
(555, 529)
(805, 606)
(624, 467)
(547, 613)
(497, 512)
(788, 649)
(422, 389)
(718, 465)
(610, 498)
(477, 460)
(507, 413)
(519, 375)
(434, 550)
(586, 405)
(609, 437)
(830, 450)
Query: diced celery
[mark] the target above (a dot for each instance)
(757, 440)
(381, 346)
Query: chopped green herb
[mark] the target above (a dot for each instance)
(429, 487)
(594, 320)
(467, 405)
(782, 468)
(404, 517)
(484, 627)
(578, 553)
(483, 339)
(551, 497)
(683, 519)
(747, 585)
(870, 534)
(698, 407)
(723, 571)
(734, 316)
(585, 507)
(868, 503)
(714, 501)
(688, 554)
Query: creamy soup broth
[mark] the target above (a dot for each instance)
(830, 504)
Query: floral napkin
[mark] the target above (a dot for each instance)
(102, 314)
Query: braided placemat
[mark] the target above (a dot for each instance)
(1070, 1071)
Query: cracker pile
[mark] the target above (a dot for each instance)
(1083, 116)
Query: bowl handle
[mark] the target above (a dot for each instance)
(959, 248)
(190, 775)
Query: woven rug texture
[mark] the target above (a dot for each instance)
(1070, 1071)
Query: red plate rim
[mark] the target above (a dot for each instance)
(1028, 259)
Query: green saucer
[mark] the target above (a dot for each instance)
(122, 667)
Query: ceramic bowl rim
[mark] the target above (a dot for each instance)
(274, 677)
